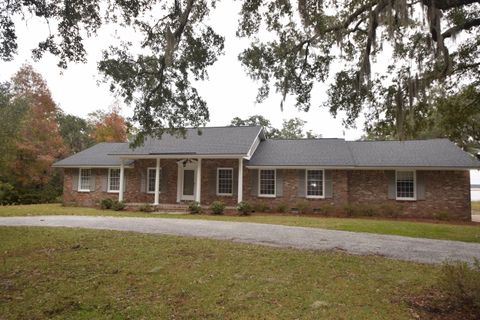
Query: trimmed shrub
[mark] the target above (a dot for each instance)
(194, 207)
(118, 205)
(348, 209)
(367, 210)
(442, 215)
(147, 208)
(460, 284)
(244, 208)
(303, 207)
(360, 210)
(390, 210)
(282, 207)
(217, 207)
(106, 203)
(261, 207)
(327, 209)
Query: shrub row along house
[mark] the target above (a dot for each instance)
(235, 164)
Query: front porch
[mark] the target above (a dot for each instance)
(171, 183)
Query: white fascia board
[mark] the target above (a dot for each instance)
(254, 146)
(359, 168)
(182, 156)
(92, 166)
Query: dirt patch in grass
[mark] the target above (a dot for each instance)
(434, 305)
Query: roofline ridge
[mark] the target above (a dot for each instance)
(227, 126)
(296, 139)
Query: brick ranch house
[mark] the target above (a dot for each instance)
(235, 164)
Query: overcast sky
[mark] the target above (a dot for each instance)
(229, 92)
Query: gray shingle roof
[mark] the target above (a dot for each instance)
(340, 153)
(414, 153)
(93, 156)
(211, 141)
(302, 152)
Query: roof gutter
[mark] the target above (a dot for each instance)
(86, 166)
(360, 167)
(178, 155)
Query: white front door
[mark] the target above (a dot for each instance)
(186, 178)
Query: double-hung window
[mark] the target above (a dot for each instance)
(266, 183)
(113, 180)
(151, 172)
(405, 181)
(315, 183)
(224, 181)
(84, 180)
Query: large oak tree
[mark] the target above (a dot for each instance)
(423, 49)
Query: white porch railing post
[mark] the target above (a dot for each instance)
(240, 180)
(122, 182)
(157, 183)
(198, 184)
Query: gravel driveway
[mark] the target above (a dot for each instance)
(404, 248)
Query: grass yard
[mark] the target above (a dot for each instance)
(64, 273)
(476, 205)
(459, 232)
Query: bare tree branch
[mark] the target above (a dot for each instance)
(344, 25)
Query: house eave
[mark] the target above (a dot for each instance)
(333, 167)
(90, 166)
(178, 156)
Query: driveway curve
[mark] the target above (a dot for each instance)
(397, 247)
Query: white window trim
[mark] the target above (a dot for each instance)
(108, 182)
(274, 184)
(414, 198)
(148, 179)
(218, 181)
(323, 184)
(80, 179)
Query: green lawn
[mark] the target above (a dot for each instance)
(469, 233)
(476, 205)
(60, 273)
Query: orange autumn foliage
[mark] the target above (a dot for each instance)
(109, 127)
(39, 142)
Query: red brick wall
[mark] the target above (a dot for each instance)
(445, 191)
(209, 192)
(290, 190)
(133, 177)
(367, 186)
(85, 198)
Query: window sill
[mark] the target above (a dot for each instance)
(83, 191)
(267, 195)
(152, 192)
(113, 191)
(315, 197)
(406, 199)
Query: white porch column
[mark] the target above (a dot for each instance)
(240, 180)
(198, 184)
(157, 183)
(122, 182)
